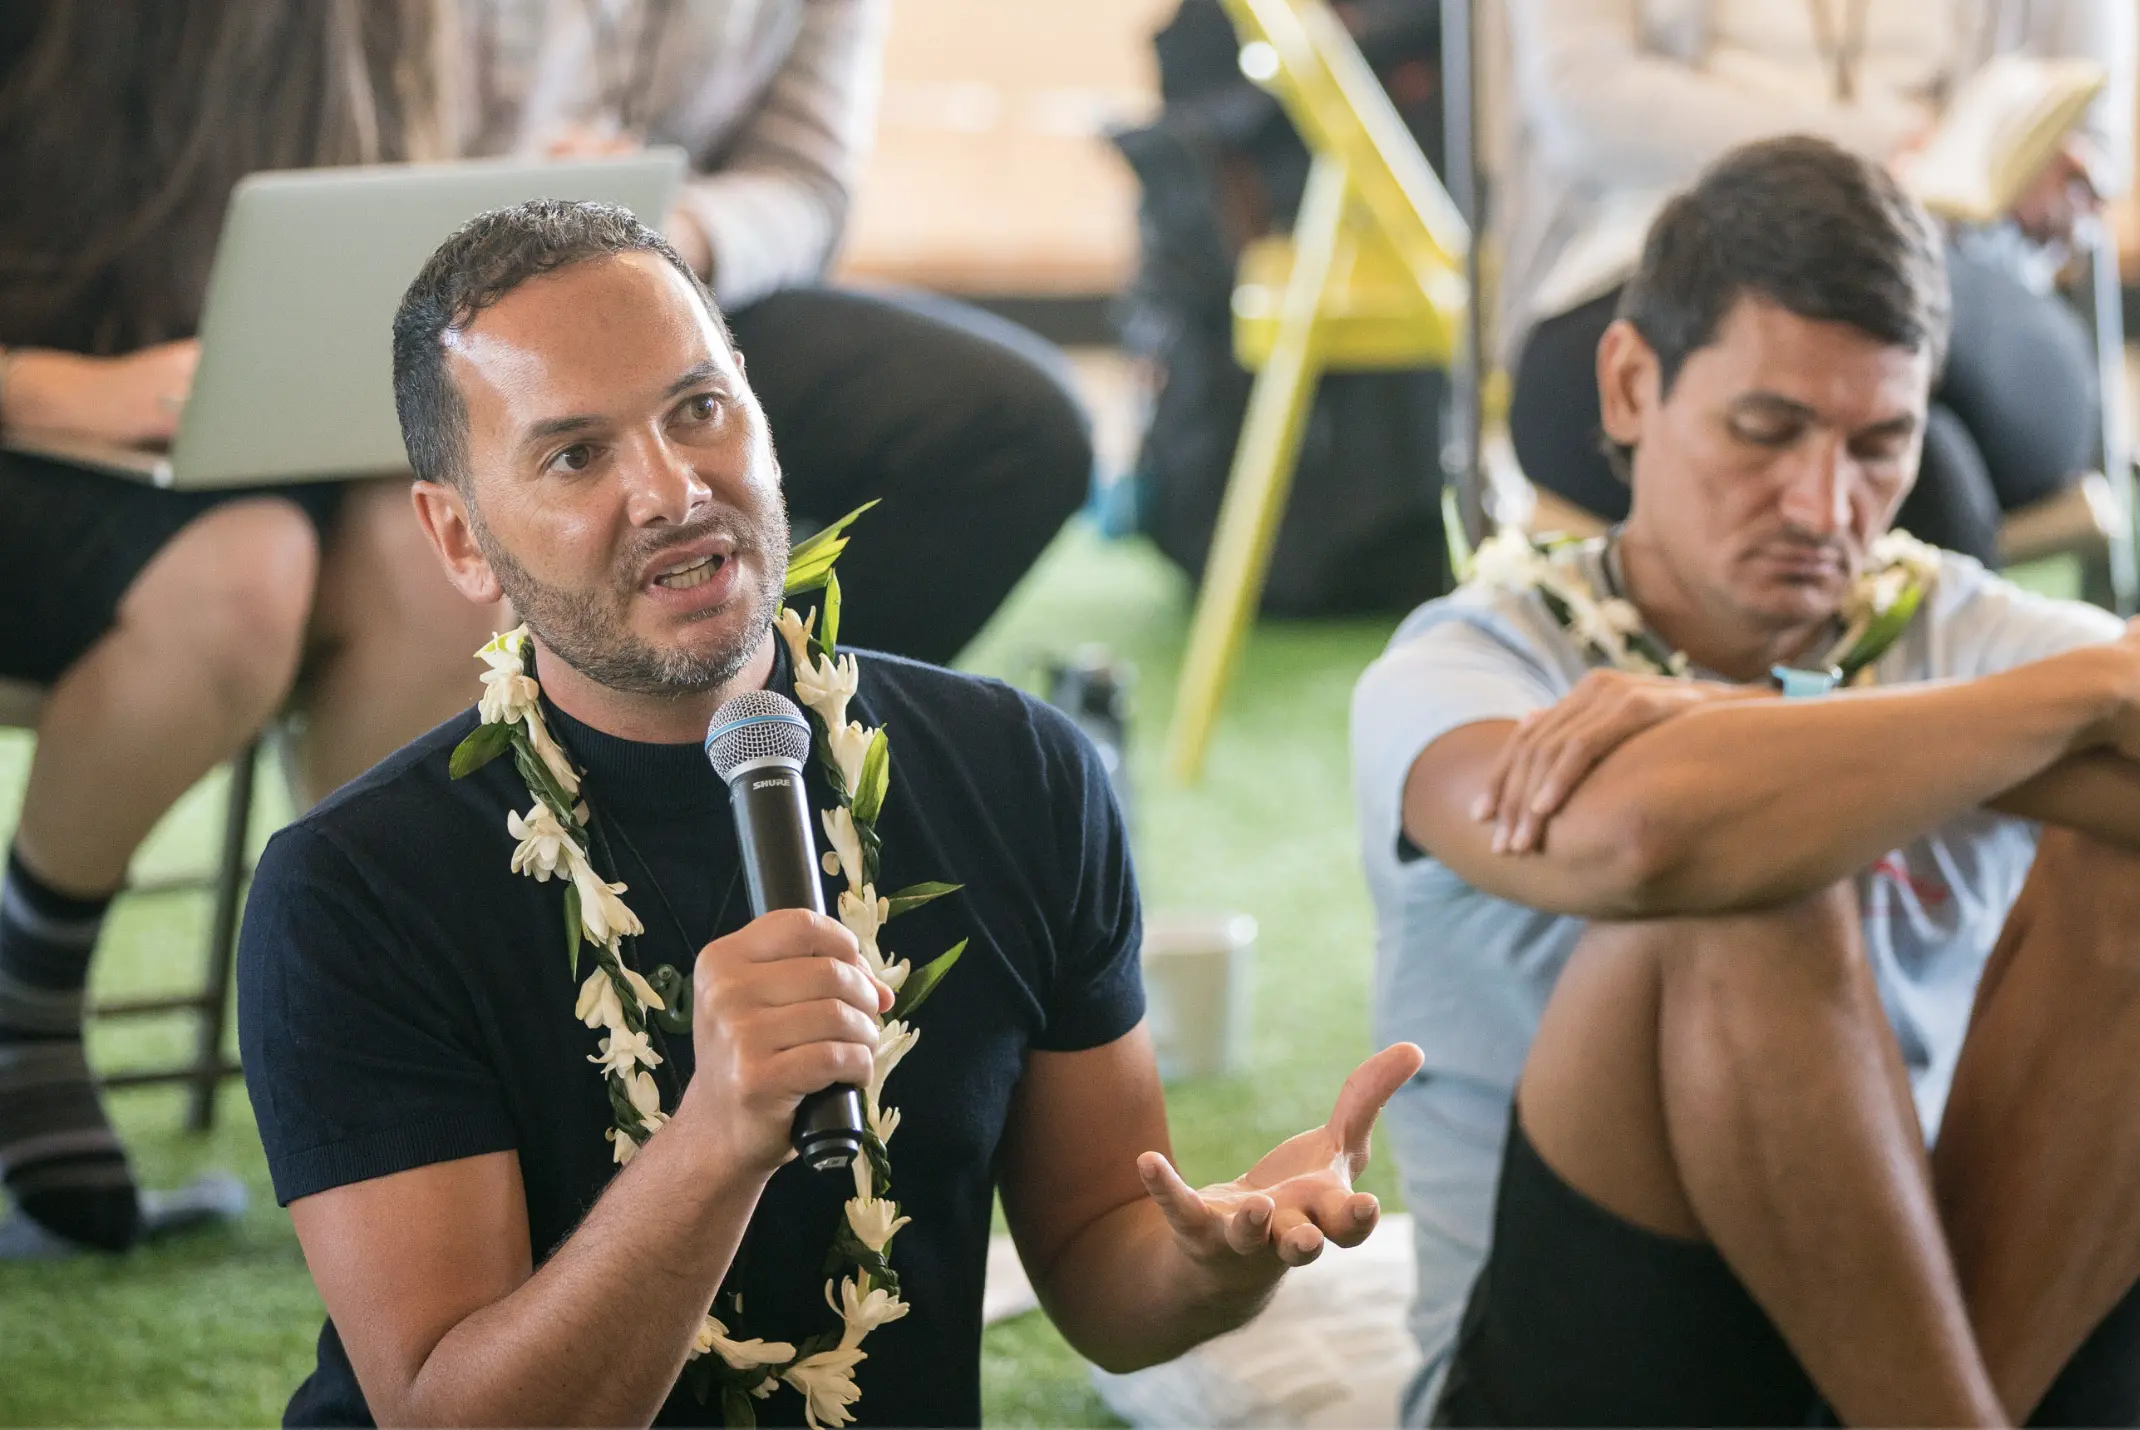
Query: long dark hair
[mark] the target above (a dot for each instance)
(124, 124)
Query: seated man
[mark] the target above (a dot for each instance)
(1703, 970)
(586, 445)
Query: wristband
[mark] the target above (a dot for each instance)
(1795, 684)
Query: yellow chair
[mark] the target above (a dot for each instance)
(1371, 278)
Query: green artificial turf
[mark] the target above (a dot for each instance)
(216, 1330)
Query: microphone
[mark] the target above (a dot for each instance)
(758, 743)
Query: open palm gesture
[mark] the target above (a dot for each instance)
(1301, 1194)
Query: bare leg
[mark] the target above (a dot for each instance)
(1733, 1078)
(2038, 1159)
(395, 642)
(201, 656)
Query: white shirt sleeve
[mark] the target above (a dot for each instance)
(1980, 624)
(774, 205)
(1607, 111)
(1454, 672)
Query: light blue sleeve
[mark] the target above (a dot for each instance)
(1980, 624)
(1438, 674)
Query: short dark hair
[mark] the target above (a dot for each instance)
(478, 264)
(1804, 224)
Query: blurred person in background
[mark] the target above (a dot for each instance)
(171, 626)
(963, 423)
(1613, 106)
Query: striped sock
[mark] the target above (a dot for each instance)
(62, 1162)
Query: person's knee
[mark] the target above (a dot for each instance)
(1810, 945)
(1041, 434)
(2084, 895)
(228, 600)
(382, 583)
(1058, 435)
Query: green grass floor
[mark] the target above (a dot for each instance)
(218, 1329)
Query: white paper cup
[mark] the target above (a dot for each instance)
(1199, 982)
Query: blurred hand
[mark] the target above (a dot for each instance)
(588, 141)
(584, 141)
(1298, 1196)
(1551, 751)
(780, 1008)
(689, 240)
(2055, 202)
(131, 400)
(2120, 730)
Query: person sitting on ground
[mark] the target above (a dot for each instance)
(411, 1007)
(1702, 971)
(170, 627)
(965, 423)
(1614, 106)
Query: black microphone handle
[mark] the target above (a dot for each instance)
(780, 866)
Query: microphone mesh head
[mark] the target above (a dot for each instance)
(757, 725)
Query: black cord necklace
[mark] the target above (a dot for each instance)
(598, 827)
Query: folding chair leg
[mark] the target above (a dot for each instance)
(2109, 326)
(1262, 474)
(208, 1066)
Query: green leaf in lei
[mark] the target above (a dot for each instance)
(876, 780)
(922, 981)
(483, 744)
(810, 561)
(913, 896)
(1882, 632)
(572, 927)
(828, 626)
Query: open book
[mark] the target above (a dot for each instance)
(2003, 126)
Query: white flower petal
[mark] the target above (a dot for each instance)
(893, 1043)
(874, 1220)
(826, 686)
(551, 753)
(827, 1383)
(648, 998)
(713, 1338)
(599, 1006)
(544, 842)
(624, 1050)
(846, 844)
(508, 695)
(850, 748)
(645, 1095)
(862, 1312)
(796, 631)
(503, 650)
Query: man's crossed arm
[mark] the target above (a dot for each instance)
(1636, 798)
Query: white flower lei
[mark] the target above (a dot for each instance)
(551, 841)
(1876, 609)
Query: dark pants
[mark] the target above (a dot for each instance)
(1582, 1318)
(962, 423)
(2013, 418)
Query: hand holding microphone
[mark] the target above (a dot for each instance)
(784, 1022)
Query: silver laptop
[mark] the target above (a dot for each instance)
(296, 374)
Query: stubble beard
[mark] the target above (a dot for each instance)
(589, 631)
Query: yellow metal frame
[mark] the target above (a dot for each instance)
(1372, 277)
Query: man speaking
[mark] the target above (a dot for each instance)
(525, 1066)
